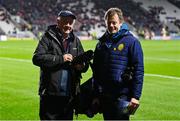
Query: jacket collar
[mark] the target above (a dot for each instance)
(56, 35)
(124, 30)
(54, 31)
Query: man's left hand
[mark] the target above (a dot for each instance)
(134, 103)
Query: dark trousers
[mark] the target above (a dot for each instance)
(55, 108)
(111, 109)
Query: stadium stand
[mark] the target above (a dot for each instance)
(166, 12)
(146, 18)
(9, 25)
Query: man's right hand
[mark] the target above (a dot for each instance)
(67, 57)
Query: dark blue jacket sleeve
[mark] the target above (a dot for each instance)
(138, 63)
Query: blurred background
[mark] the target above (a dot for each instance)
(147, 19)
(22, 22)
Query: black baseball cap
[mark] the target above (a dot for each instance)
(66, 13)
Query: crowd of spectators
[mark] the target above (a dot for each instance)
(177, 4)
(90, 13)
(2, 14)
(3, 17)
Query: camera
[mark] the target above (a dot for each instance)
(128, 74)
(83, 58)
(81, 63)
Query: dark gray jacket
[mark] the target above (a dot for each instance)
(54, 72)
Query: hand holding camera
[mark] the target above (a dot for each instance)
(83, 60)
(67, 57)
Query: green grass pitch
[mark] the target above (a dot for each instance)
(19, 80)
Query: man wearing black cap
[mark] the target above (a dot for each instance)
(53, 55)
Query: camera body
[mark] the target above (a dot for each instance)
(81, 63)
(83, 58)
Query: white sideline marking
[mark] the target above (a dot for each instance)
(162, 59)
(163, 76)
(14, 59)
(153, 75)
(27, 49)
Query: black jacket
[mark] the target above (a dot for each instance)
(49, 57)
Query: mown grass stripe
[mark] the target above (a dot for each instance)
(146, 74)
(162, 59)
(162, 76)
(15, 59)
